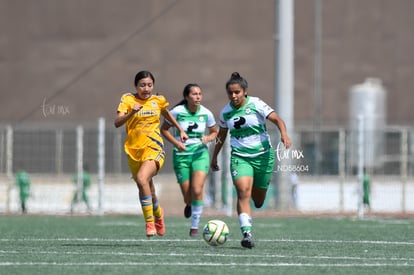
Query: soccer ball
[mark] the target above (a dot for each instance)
(215, 232)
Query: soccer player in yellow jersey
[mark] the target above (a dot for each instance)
(141, 112)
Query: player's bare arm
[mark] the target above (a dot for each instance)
(211, 136)
(221, 137)
(165, 127)
(166, 113)
(275, 118)
(122, 117)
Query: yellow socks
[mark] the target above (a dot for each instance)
(150, 209)
(147, 208)
(157, 209)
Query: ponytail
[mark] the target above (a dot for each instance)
(235, 78)
(186, 92)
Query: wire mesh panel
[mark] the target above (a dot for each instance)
(34, 150)
(49, 156)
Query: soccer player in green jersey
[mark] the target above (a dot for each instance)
(191, 158)
(86, 183)
(252, 155)
(23, 182)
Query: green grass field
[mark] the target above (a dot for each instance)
(118, 245)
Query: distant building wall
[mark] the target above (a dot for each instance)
(80, 56)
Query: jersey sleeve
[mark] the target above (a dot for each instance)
(263, 108)
(123, 106)
(211, 121)
(163, 103)
(222, 122)
(174, 113)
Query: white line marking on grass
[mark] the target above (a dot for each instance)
(199, 240)
(204, 264)
(320, 257)
(118, 223)
(340, 241)
(136, 224)
(154, 239)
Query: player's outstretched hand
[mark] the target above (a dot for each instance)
(214, 166)
(286, 141)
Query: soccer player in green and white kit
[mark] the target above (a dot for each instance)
(23, 181)
(252, 155)
(191, 158)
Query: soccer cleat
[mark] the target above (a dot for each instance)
(160, 225)
(247, 240)
(151, 231)
(187, 211)
(194, 233)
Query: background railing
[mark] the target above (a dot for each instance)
(50, 155)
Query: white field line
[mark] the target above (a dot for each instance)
(198, 240)
(150, 254)
(205, 264)
(366, 262)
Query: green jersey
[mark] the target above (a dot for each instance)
(247, 127)
(86, 180)
(23, 181)
(195, 126)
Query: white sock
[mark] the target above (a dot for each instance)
(196, 211)
(245, 220)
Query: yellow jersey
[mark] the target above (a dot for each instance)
(143, 127)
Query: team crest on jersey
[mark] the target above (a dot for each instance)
(154, 104)
(248, 111)
(201, 119)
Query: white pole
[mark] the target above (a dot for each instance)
(9, 163)
(341, 161)
(59, 151)
(101, 163)
(217, 184)
(404, 170)
(285, 70)
(2, 150)
(284, 87)
(228, 179)
(118, 152)
(360, 211)
(79, 160)
(317, 109)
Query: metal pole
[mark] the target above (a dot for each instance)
(118, 152)
(360, 211)
(228, 179)
(101, 163)
(9, 163)
(341, 163)
(59, 151)
(2, 151)
(79, 160)
(216, 183)
(317, 84)
(404, 165)
(284, 88)
(285, 71)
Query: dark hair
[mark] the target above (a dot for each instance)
(237, 79)
(186, 92)
(141, 75)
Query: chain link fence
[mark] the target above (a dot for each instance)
(321, 159)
